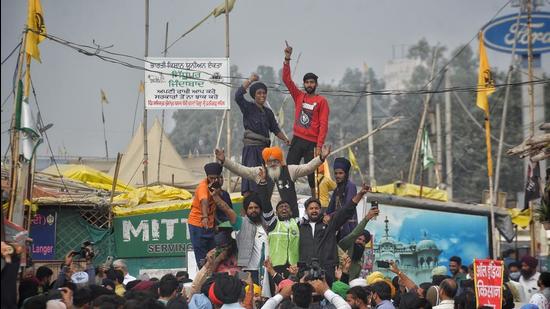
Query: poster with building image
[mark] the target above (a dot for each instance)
(419, 240)
(187, 83)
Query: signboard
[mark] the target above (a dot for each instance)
(152, 235)
(488, 276)
(42, 232)
(499, 34)
(187, 83)
(419, 239)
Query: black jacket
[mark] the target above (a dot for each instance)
(324, 244)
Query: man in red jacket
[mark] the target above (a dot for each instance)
(310, 118)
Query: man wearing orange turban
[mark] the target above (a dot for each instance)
(279, 174)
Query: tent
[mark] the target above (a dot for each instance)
(131, 166)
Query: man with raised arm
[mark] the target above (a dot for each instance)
(311, 112)
(258, 122)
(279, 174)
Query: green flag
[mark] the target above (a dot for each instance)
(426, 151)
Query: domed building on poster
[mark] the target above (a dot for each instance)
(417, 259)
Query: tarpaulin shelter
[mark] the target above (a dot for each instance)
(171, 163)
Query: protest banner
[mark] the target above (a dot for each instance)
(488, 278)
(187, 83)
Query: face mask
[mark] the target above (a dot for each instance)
(515, 275)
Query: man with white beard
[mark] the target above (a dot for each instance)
(279, 174)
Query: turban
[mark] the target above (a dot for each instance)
(343, 164)
(272, 152)
(255, 87)
(200, 301)
(367, 236)
(213, 168)
(439, 270)
(257, 289)
(358, 282)
(341, 288)
(530, 261)
(226, 289)
(310, 76)
(373, 276)
(251, 198)
(143, 286)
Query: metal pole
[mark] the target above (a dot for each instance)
(369, 129)
(439, 144)
(162, 117)
(145, 148)
(530, 68)
(505, 110)
(448, 139)
(228, 112)
(416, 149)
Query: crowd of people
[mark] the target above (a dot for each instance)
(270, 256)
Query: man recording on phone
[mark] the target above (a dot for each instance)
(203, 210)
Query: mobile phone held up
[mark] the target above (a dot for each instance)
(374, 205)
(382, 264)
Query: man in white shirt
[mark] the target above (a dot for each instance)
(447, 292)
(529, 277)
(121, 265)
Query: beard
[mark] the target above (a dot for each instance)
(527, 273)
(274, 172)
(254, 218)
(310, 90)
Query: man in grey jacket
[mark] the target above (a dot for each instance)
(251, 235)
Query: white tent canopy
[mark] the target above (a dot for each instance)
(186, 175)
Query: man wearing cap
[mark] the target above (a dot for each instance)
(201, 219)
(310, 118)
(251, 235)
(318, 239)
(345, 190)
(354, 243)
(258, 121)
(529, 278)
(279, 174)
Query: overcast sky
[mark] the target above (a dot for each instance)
(331, 35)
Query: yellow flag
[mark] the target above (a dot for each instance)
(35, 23)
(485, 80)
(220, 9)
(141, 87)
(352, 159)
(104, 97)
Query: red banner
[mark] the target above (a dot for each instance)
(488, 276)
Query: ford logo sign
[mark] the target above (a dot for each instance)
(499, 34)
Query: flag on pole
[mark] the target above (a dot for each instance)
(486, 86)
(104, 97)
(426, 151)
(352, 159)
(532, 186)
(485, 79)
(220, 9)
(36, 26)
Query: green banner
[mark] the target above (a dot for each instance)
(153, 235)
